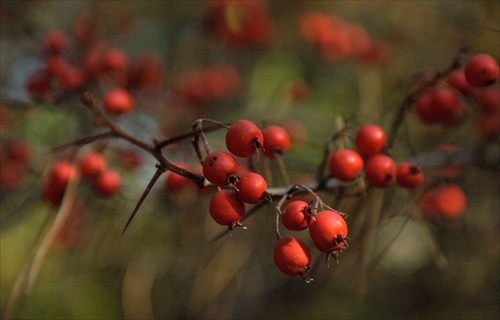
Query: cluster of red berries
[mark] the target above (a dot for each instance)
(239, 23)
(380, 170)
(337, 39)
(92, 167)
(81, 60)
(444, 102)
(327, 229)
(208, 84)
(244, 139)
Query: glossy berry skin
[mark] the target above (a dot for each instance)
(296, 216)
(380, 171)
(370, 139)
(409, 175)
(244, 139)
(291, 256)
(118, 101)
(276, 141)
(91, 164)
(219, 167)
(107, 183)
(226, 209)
(251, 188)
(446, 202)
(328, 231)
(481, 70)
(345, 164)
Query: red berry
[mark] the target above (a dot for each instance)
(409, 175)
(226, 209)
(444, 100)
(118, 101)
(175, 182)
(61, 172)
(276, 141)
(219, 167)
(107, 183)
(38, 85)
(328, 231)
(115, 59)
(292, 257)
(370, 139)
(296, 216)
(251, 188)
(244, 139)
(345, 164)
(91, 164)
(55, 41)
(481, 70)
(447, 201)
(424, 107)
(457, 80)
(380, 170)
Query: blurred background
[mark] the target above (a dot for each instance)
(261, 61)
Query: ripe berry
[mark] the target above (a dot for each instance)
(444, 100)
(292, 257)
(91, 164)
(175, 182)
(409, 175)
(457, 80)
(328, 231)
(55, 41)
(107, 183)
(424, 107)
(219, 167)
(481, 70)
(276, 141)
(244, 139)
(370, 139)
(118, 101)
(61, 172)
(226, 209)
(251, 188)
(447, 201)
(345, 164)
(38, 85)
(380, 170)
(296, 216)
